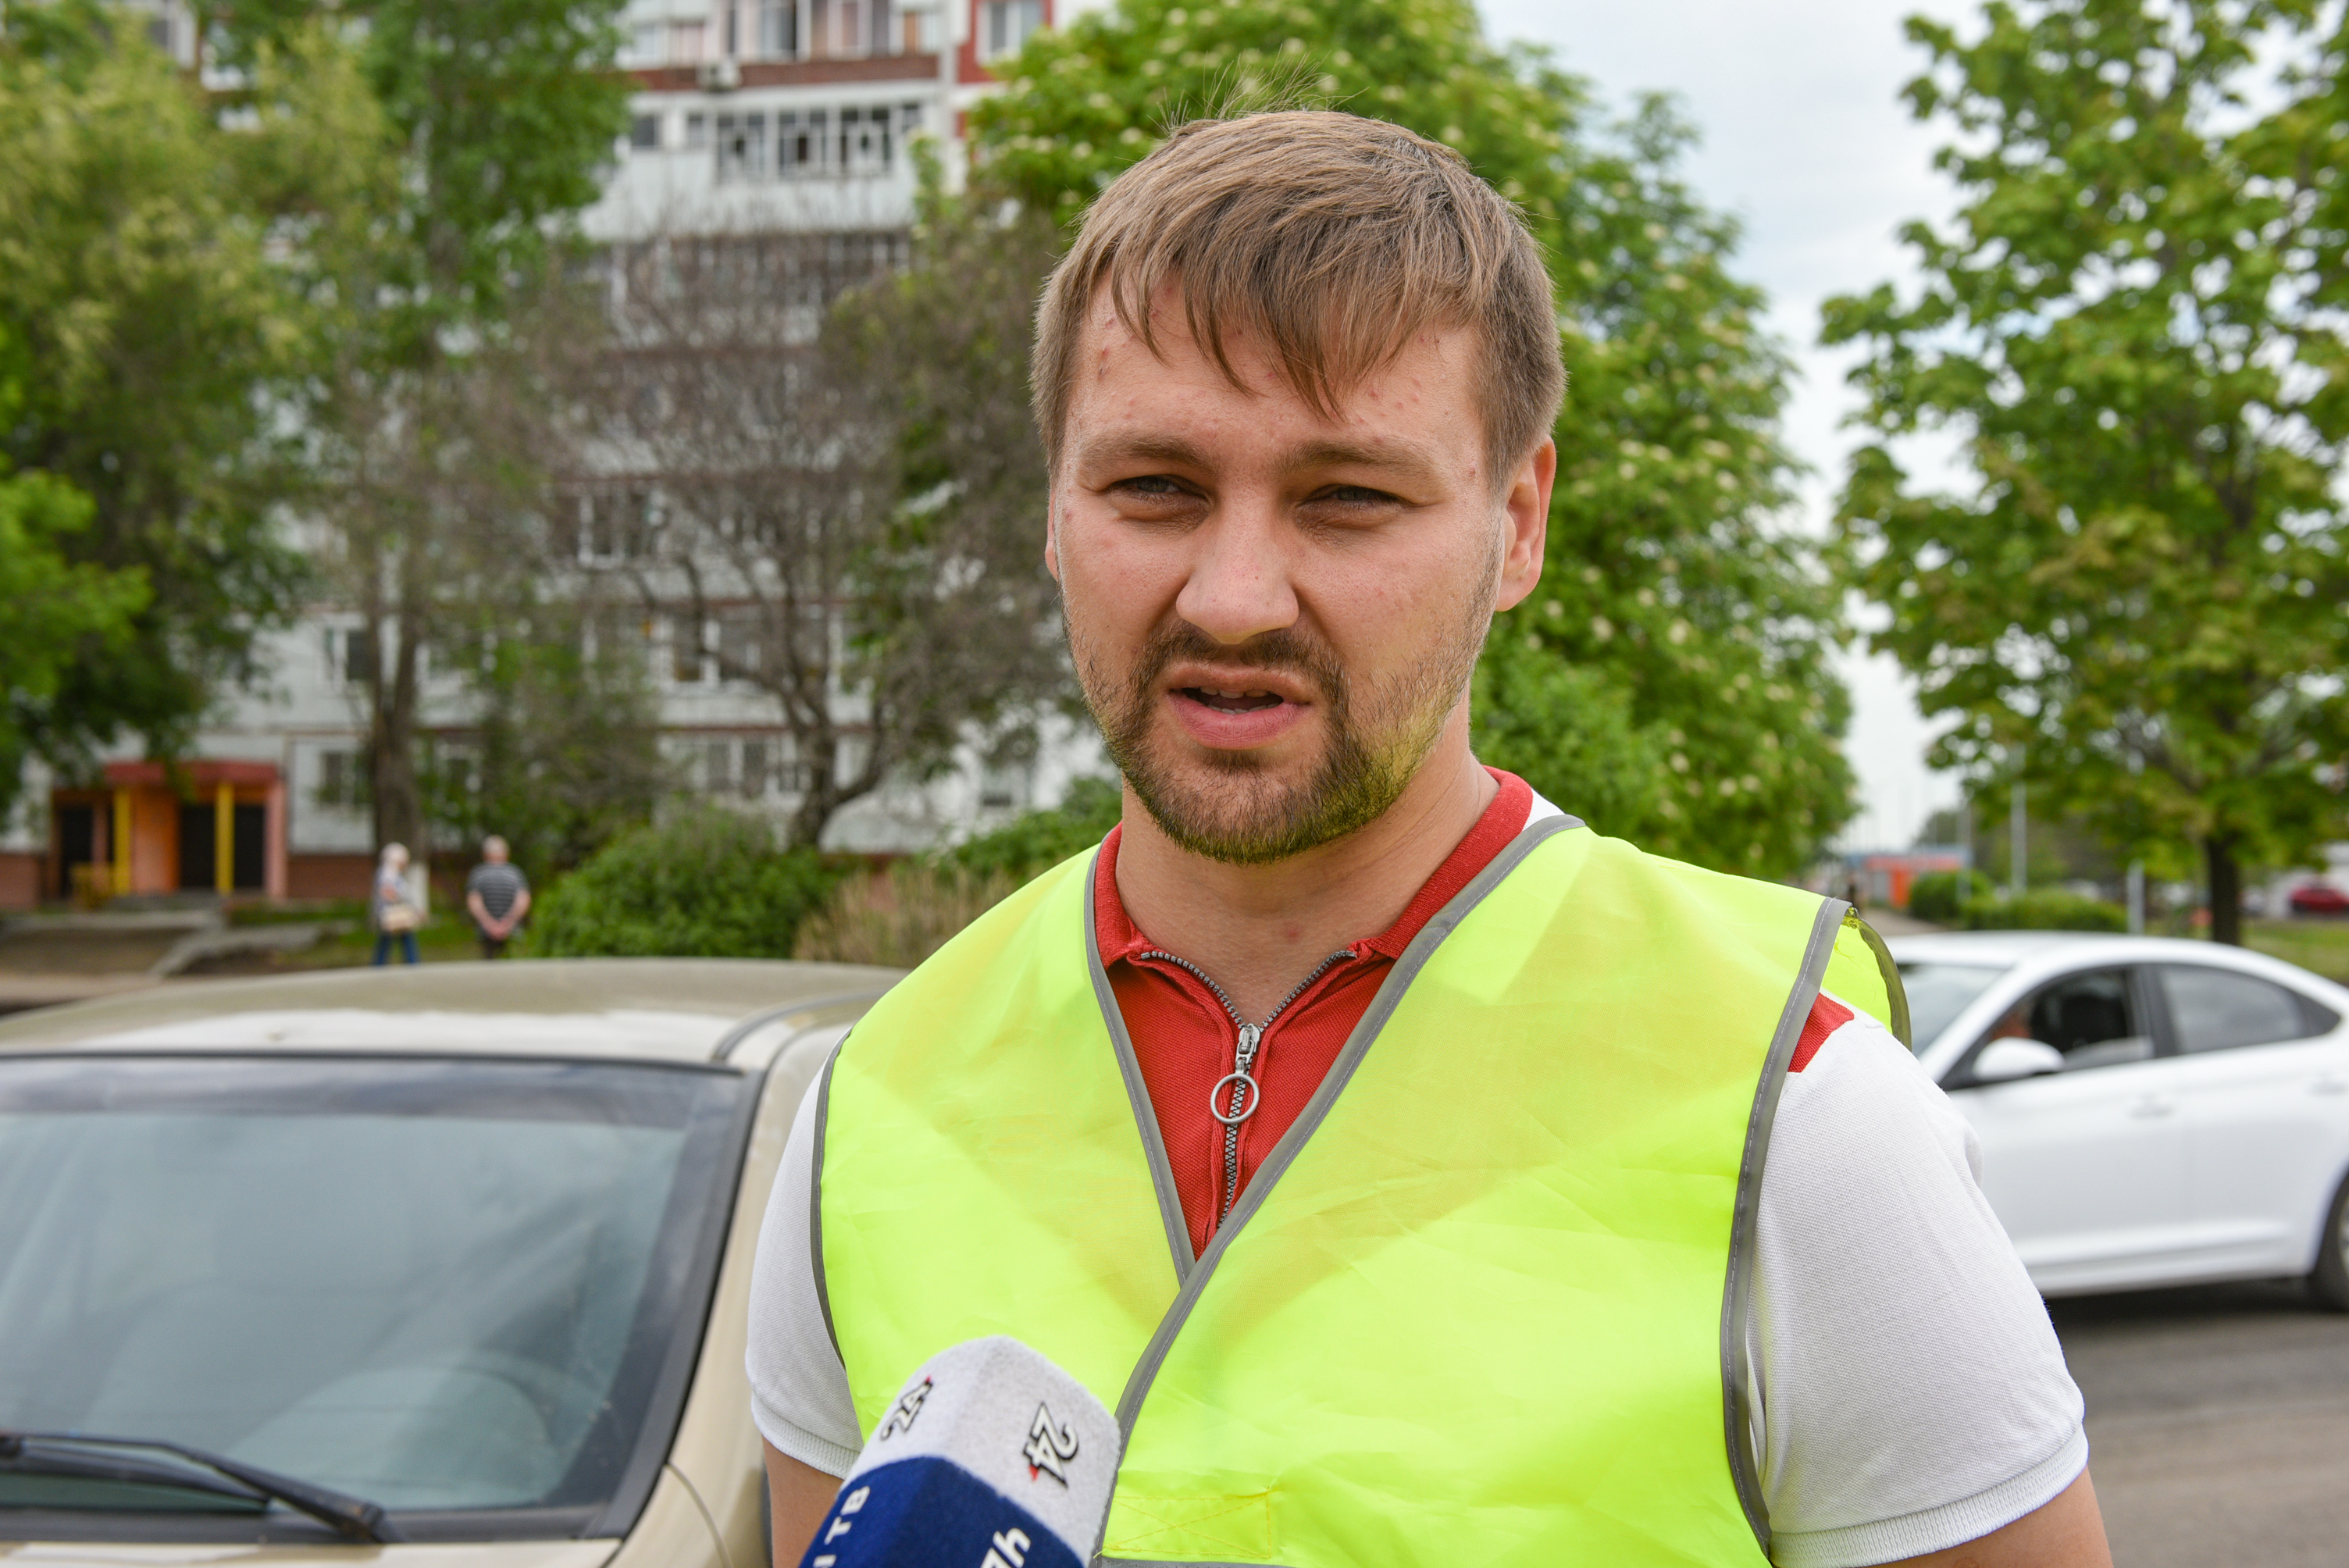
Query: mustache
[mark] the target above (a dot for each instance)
(1284, 650)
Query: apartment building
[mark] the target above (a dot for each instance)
(748, 118)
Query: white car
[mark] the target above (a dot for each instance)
(2152, 1111)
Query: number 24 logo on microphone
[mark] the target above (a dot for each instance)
(1050, 1446)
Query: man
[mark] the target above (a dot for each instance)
(1383, 1144)
(497, 895)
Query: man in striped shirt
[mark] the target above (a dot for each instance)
(497, 895)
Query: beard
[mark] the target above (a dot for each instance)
(1234, 807)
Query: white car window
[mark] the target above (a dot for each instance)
(2092, 1017)
(2219, 1009)
(1937, 993)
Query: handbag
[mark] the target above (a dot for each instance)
(401, 916)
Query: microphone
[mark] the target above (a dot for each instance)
(991, 1457)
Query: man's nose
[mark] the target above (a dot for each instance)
(1239, 584)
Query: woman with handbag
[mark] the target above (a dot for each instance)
(396, 908)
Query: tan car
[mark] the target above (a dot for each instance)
(424, 1268)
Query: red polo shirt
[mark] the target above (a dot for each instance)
(1184, 1040)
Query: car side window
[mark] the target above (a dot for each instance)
(2092, 1017)
(2219, 1009)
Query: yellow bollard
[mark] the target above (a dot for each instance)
(122, 840)
(225, 839)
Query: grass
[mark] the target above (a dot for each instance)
(2321, 946)
(448, 936)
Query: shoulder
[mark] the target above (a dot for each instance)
(1913, 1392)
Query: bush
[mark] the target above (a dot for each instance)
(901, 918)
(711, 884)
(1941, 896)
(1034, 843)
(2049, 911)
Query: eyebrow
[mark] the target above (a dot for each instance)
(1404, 459)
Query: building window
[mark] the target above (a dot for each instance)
(350, 658)
(737, 643)
(779, 29)
(1004, 786)
(697, 131)
(685, 42)
(343, 783)
(615, 526)
(799, 142)
(755, 773)
(643, 133)
(644, 47)
(684, 650)
(1004, 26)
(742, 146)
(864, 137)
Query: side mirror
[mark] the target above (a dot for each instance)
(2003, 1061)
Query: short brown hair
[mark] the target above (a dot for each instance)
(1334, 237)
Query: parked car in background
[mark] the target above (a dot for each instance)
(2152, 1111)
(2318, 898)
(390, 1261)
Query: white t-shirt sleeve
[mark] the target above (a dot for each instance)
(1913, 1392)
(798, 1388)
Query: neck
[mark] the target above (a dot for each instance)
(1259, 930)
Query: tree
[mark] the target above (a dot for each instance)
(562, 754)
(1669, 678)
(151, 343)
(829, 466)
(2133, 321)
(54, 612)
(452, 143)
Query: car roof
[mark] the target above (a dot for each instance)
(677, 1009)
(2008, 948)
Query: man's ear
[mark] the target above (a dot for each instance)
(1526, 515)
(1051, 536)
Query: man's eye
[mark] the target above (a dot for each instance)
(1151, 484)
(1355, 495)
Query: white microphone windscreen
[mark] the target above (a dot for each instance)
(990, 1457)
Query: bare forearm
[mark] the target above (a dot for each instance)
(799, 1496)
(2067, 1532)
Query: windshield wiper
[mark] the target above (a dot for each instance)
(350, 1516)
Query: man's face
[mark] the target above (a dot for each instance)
(1274, 613)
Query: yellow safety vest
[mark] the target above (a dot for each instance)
(1482, 1304)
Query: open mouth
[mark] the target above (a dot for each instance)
(1230, 701)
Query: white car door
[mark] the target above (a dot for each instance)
(2263, 1091)
(2085, 1168)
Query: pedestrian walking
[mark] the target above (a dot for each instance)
(497, 895)
(396, 906)
(1423, 1177)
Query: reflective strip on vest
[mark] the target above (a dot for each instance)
(1483, 1302)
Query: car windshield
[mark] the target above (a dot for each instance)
(1937, 993)
(438, 1285)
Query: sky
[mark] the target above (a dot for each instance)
(1806, 140)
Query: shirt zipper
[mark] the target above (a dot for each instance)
(1244, 1092)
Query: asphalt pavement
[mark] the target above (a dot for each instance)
(2218, 1424)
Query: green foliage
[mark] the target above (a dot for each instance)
(2043, 911)
(149, 336)
(708, 884)
(1039, 840)
(900, 918)
(503, 114)
(1941, 896)
(1673, 609)
(53, 612)
(2134, 321)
